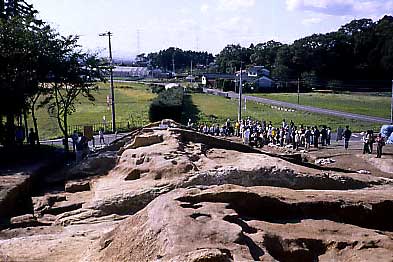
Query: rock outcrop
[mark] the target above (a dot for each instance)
(232, 223)
(170, 194)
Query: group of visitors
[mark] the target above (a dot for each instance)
(287, 134)
(216, 130)
(368, 141)
(32, 137)
(80, 145)
(260, 133)
(256, 133)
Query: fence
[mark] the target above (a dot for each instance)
(122, 126)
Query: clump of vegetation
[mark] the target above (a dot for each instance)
(168, 104)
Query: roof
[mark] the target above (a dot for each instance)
(220, 76)
(129, 69)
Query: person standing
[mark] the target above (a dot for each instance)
(75, 139)
(102, 137)
(246, 138)
(32, 137)
(380, 143)
(329, 136)
(347, 136)
(323, 135)
(371, 140)
(316, 136)
(307, 136)
(237, 128)
(366, 149)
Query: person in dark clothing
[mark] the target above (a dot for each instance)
(329, 136)
(347, 137)
(380, 143)
(316, 136)
(323, 135)
(32, 137)
(293, 135)
(371, 141)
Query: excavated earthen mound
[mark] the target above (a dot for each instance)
(171, 194)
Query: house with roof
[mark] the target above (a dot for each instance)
(130, 72)
(210, 79)
(258, 77)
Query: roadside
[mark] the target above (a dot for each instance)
(310, 109)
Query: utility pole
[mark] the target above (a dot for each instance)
(173, 63)
(239, 116)
(191, 72)
(391, 107)
(298, 91)
(109, 35)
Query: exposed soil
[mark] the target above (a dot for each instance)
(177, 195)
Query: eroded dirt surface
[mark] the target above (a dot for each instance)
(255, 224)
(176, 195)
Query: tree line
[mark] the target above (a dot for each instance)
(39, 67)
(361, 50)
(182, 59)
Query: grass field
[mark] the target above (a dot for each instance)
(213, 109)
(364, 104)
(133, 101)
(132, 104)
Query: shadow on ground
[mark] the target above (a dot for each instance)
(190, 110)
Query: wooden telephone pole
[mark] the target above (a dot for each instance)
(109, 35)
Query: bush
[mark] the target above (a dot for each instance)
(168, 104)
(158, 112)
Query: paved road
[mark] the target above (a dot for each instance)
(301, 107)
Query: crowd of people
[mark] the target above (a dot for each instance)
(260, 133)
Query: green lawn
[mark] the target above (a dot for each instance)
(213, 109)
(364, 104)
(133, 101)
(132, 104)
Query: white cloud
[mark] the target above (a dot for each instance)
(312, 21)
(343, 7)
(205, 8)
(235, 4)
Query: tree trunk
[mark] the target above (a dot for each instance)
(35, 124)
(26, 126)
(2, 130)
(65, 132)
(10, 130)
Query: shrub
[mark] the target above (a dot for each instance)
(168, 104)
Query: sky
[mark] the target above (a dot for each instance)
(201, 25)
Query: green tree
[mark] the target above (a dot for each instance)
(265, 54)
(20, 56)
(73, 74)
(231, 57)
(282, 67)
